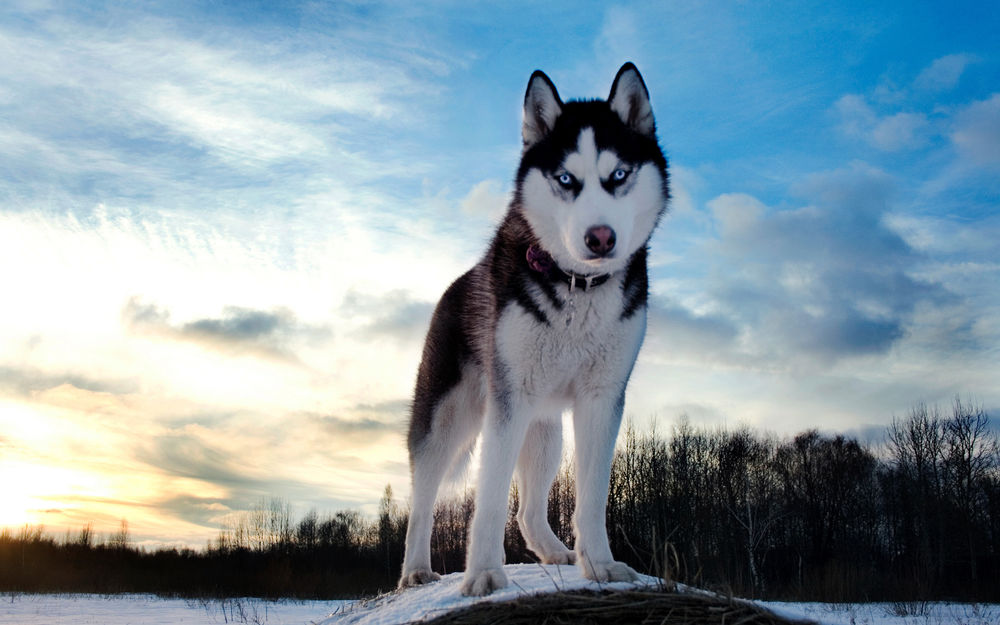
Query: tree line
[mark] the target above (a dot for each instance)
(818, 517)
(259, 552)
(814, 517)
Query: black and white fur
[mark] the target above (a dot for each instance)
(516, 341)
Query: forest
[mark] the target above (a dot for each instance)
(815, 517)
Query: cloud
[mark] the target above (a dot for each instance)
(856, 116)
(943, 74)
(677, 333)
(230, 127)
(219, 463)
(239, 331)
(900, 131)
(976, 132)
(487, 199)
(819, 283)
(363, 427)
(204, 511)
(393, 408)
(396, 314)
(239, 325)
(954, 241)
(890, 133)
(23, 381)
(159, 109)
(189, 453)
(620, 37)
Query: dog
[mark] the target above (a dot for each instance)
(552, 317)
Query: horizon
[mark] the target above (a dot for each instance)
(223, 229)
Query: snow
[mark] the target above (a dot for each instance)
(931, 613)
(423, 603)
(22, 609)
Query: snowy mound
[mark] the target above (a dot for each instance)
(426, 602)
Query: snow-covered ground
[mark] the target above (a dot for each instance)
(528, 579)
(434, 599)
(21, 609)
(419, 603)
(889, 614)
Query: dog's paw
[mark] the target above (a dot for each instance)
(562, 556)
(418, 577)
(482, 583)
(612, 571)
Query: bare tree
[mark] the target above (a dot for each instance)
(916, 445)
(120, 540)
(749, 495)
(970, 454)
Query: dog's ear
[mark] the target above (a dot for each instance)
(542, 107)
(630, 99)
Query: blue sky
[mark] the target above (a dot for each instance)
(223, 227)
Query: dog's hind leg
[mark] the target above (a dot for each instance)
(536, 468)
(428, 471)
(457, 420)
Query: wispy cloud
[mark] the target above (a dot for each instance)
(943, 73)
(977, 132)
(890, 133)
(153, 109)
(271, 334)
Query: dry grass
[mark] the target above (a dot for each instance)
(648, 607)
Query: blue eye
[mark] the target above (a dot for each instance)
(619, 175)
(566, 180)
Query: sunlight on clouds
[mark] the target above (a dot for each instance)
(231, 127)
(47, 465)
(96, 464)
(32, 489)
(248, 384)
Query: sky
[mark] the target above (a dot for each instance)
(224, 227)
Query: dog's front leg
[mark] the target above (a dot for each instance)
(503, 436)
(596, 419)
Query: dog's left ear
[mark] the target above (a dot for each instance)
(630, 99)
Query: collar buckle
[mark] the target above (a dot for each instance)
(588, 281)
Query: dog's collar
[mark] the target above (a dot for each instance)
(541, 261)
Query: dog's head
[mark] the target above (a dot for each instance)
(593, 181)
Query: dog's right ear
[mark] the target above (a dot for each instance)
(542, 107)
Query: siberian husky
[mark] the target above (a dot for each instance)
(551, 318)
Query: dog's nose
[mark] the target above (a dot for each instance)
(600, 239)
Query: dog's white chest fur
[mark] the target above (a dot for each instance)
(585, 344)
